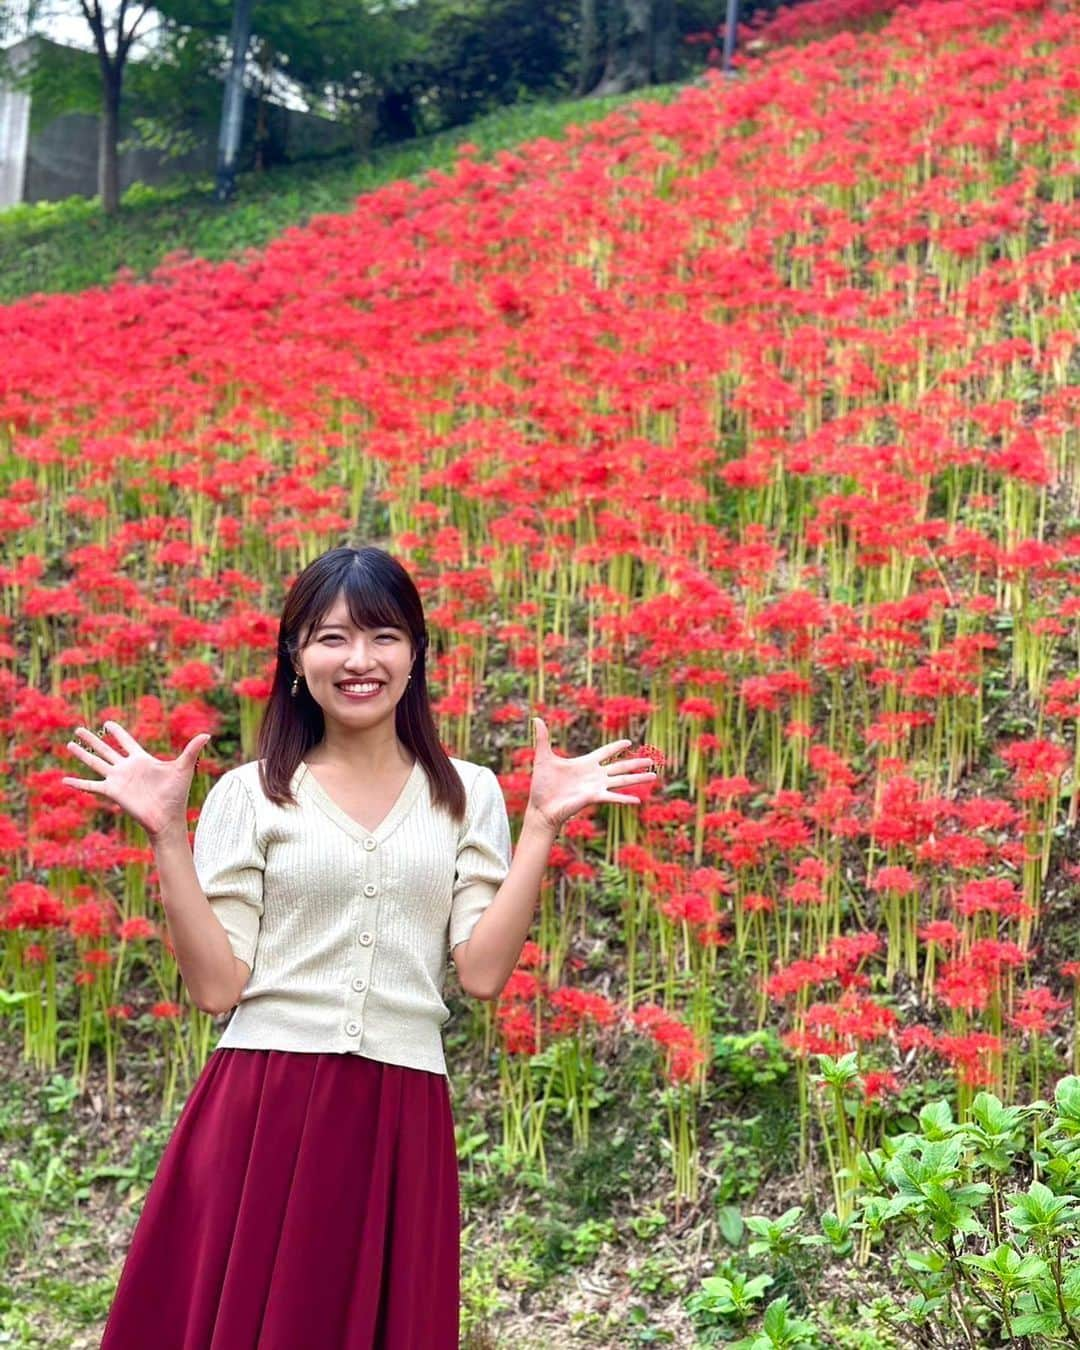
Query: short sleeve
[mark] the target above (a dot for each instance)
(483, 855)
(230, 864)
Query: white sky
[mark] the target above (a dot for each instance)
(62, 21)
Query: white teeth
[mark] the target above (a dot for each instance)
(361, 688)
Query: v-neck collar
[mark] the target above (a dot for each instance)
(306, 781)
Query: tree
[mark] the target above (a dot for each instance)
(626, 44)
(122, 34)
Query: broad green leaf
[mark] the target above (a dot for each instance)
(936, 1119)
(730, 1223)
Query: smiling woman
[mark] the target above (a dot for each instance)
(335, 869)
(310, 1185)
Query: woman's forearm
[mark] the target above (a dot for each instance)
(213, 975)
(496, 941)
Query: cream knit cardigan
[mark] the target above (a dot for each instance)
(348, 931)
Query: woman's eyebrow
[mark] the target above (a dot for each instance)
(379, 627)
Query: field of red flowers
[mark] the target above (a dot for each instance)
(745, 426)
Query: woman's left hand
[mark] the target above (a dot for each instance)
(562, 786)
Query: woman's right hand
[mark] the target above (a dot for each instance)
(153, 791)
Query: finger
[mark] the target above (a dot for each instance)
(624, 779)
(195, 746)
(612, 748)
(125, 738)
(91, 784)
(615, 797)
(88, 757)
(100, 747)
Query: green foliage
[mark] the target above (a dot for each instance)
(42, 1177)
(602, 1172)
(978, 1220)
(480, 1298)
(656, 1275)
(58, 79)
(753, 1060)
(468, 57)
(725, 1300)
(982, 1220)
(781, 1331)
(776, 1238)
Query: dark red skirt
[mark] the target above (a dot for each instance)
(303, 1200)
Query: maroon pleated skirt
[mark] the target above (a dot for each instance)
(303, 1202)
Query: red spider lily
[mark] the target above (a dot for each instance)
(854, 1020)
(30, 905)
(915, 1037)
(517, 1027)
(798, 976)
(876, 1084)
(840, 962)
(90, 919)
(1038, 764)
(941, 932)
(684, 1055)
(532, 955)
(1063, 697)
(522, 985)
(1036, 1009)
(964, 985)
(848, 950)
(992, 955)
(896, 879)
(138, 927)
(166, 1010)
(576, 1006)
(987, 895)
(970, 1056)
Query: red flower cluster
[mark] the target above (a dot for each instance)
(684, 1057)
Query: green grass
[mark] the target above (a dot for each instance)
(71, 245)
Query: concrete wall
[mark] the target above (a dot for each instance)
(14, 133)
(61, 161)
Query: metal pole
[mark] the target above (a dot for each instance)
(232, 105)
(729, 33)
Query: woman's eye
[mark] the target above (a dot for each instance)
(336, 637)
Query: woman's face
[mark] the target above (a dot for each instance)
(339, 658)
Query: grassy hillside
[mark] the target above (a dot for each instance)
(70, 245)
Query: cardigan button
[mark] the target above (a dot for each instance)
(371, 888)
(366, 939)
(369, 844)
(353, 1028)
(359, 984)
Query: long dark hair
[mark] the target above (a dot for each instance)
(379, 593)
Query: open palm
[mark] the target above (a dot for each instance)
(562, 786)
(153, 791)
